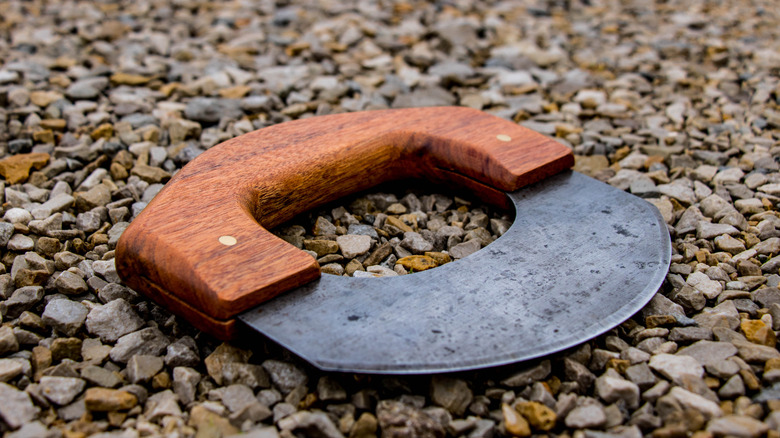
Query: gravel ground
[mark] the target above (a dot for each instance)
(101, 102)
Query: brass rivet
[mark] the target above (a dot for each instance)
(228, 240)
(504, 137)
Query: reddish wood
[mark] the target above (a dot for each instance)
(259, 180)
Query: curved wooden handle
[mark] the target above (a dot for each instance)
(235, 191)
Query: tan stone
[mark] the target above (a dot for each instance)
(129, 79)
(757, 332)
(210, 424)
(54, 124)
(44, 98)
(398, 223)
(772, 364)
(44, 136)
(364, 427)
(107, 400)
(16, 168)
(538, 415)
(590, 165)
(150, 174)
(105, 131)
(223, 354)
(514, 423)
(236, 92)
(417, 262)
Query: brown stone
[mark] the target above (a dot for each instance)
(16, 168)
(538, 415)
(321, 247)
(108, 400)
(417, 262)
(439, 257)
(66, 348)
(653, 321)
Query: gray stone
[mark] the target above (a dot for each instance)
(61, 390)
(528, 375)
(22, 299)
(185, 384)
(415, 243)
(253, 376)
(141, 368)
(329, 389)
(689, 400)
(10, 368)
(8, 341)
(589, 416)
(149, 341)
(708, 353)
(450, 393)
(740, 426)
(20, 242)
(107, 270)
(675, 368)
(354, 245)
(733, 388)
(65, 316)
(706, 230)
(69, 283)
(16, 409)
(284, 375)
(465, 249)
(611, 389)
(6, 231)
(57, 204)
(113, 320)
(162, 404)
(209, 110)
(424, 97)
(182, 352)
(311, 424)
(399, 419)
(100, 376)
(641, 375)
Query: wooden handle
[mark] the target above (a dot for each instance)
(237, 190)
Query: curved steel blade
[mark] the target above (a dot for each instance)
(580, 258)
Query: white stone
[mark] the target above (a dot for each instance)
(676, 367)
(689, 400)
(353, 245)
(710, 288)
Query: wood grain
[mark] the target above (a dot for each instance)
(252, 183)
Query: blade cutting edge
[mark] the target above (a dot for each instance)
(580, 258)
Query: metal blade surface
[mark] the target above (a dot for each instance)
(580, 258)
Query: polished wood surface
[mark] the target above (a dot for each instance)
(252, 183)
